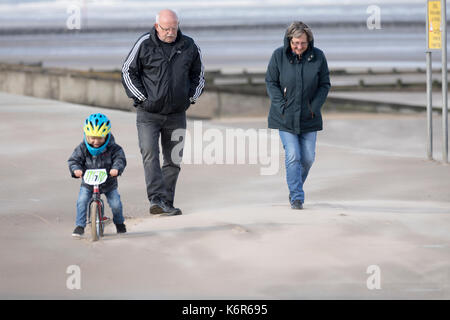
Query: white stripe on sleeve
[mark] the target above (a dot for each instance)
(126, 67)
(201, 82)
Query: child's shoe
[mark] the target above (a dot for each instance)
(121, 228)
(78, 232)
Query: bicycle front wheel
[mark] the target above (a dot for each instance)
(96, 220)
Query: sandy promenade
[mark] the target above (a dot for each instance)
(372, 200)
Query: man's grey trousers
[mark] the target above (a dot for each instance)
(161, 182)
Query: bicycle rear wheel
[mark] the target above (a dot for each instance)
(96, 220)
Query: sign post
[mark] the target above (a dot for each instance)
(437, 40)
(444, 82)
(429, 107)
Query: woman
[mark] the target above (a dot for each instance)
(297, 82)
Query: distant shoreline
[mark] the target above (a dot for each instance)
(262, 26)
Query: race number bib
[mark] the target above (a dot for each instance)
(95, 177)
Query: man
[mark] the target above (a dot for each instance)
(163, 74)
(298, 81)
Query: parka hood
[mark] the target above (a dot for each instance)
(297, 88)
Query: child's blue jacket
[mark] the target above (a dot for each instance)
(112, 158)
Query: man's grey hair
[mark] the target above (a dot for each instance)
(157, 16)
(297, 28)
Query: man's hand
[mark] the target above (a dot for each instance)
(136, 102)
(114, 172)
(78, 173)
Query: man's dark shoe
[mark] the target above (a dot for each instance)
(156, 206)
(174, 212)
(78, 232)
(164, 208)
(169, 210)
(121, 228)
(297, 204)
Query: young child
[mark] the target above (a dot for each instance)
(98, 151)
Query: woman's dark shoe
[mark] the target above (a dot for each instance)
(297, 205)
(121, 228)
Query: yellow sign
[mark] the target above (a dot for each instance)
(434, 25)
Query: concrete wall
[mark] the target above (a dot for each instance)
(106, 90)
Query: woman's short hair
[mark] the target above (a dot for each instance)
(297, 28)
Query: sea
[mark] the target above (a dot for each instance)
(233, 35)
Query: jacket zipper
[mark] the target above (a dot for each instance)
(309, 103)
(169, 81)
(285, 105)
(173, 54)
(310, 109)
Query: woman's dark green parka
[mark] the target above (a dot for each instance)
(297, 89)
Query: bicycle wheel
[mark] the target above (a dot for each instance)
(96, 224)
(101, 213)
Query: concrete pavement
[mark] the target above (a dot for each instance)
(382, 79)
(348, 79)
(372, 200)
(402, 100)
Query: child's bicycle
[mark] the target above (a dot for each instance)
(96, 208)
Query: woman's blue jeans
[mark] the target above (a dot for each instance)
(114, 202)
(300, 150)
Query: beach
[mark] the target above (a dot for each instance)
(227, 50)
(375, 205)
(372, 200)
(232, 35)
